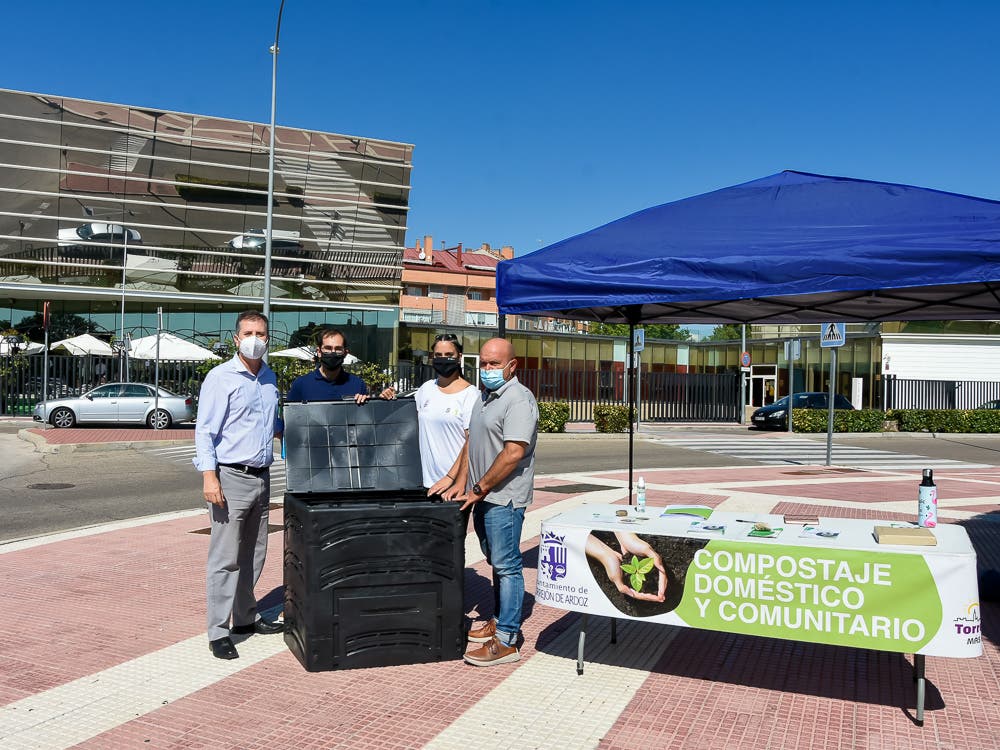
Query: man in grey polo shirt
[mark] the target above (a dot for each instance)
(500, 476)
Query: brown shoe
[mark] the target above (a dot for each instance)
(492, 652)
(484, 633)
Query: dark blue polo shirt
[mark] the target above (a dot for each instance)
(314, 387)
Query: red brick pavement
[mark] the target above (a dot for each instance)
(87, 435)
(90, 603)
(94, 602)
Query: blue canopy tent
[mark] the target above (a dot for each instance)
(790, 248)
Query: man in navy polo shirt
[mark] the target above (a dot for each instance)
(330, 381)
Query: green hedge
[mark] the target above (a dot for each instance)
(552, 416)
(908, 420)
(611, 418)
(946, 420)
(861, 420)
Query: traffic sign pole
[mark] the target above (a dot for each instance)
(791, 388)
(831, 336)
(829, 412)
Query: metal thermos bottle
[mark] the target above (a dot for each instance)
(927, 501)
(640, 496)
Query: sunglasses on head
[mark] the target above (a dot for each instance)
(446, 337)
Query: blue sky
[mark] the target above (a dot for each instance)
(534, 121)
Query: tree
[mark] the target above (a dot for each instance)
(670, 331)
(728, 332)
(306, 335)
(9, 365)
(609, 329)
(61, 326)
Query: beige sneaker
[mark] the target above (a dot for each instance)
(484, 633)
(491, 653)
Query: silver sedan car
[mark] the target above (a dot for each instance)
(113, 403)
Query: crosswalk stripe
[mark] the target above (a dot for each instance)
(778, 451)
(183, 454)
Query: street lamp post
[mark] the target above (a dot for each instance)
(270, 169)
(121, 340)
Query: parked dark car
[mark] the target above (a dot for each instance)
(990, 405)
(774, 416)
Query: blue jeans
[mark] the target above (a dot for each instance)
(499, 530)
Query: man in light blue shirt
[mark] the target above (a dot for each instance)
(234, 442)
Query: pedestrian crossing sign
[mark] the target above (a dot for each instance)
(832, 334)
(638, 339)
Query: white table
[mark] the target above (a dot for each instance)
(846, 591)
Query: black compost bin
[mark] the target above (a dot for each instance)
(373, 568)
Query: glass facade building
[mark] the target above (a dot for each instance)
(105, 207)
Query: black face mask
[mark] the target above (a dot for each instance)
(445, 367)
(331, 360)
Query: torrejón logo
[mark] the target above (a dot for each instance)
(553, 556)
(969, 626)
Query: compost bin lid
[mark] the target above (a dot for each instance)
(341, 445)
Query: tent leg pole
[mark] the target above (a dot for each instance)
(743, 376)
(631, 405)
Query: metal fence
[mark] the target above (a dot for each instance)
(904, 393)
(663, 397)
(22, 378)
(690, 397)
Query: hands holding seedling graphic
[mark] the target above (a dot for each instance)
(634, 563)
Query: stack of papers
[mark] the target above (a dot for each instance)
(698, 511)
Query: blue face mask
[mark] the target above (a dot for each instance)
(492, 379)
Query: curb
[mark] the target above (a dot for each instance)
(44, 446)
(550, 436)
(927, 435)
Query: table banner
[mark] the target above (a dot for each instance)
(908, 602)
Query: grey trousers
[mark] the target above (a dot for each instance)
(236, 550)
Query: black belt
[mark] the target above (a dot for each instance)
(255, 471)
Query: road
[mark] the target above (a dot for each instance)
(44, 493)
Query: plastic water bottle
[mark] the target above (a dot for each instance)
(640, 496)
(927, 501)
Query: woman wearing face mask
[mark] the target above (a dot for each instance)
(444, 407)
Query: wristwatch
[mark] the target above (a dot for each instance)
(476, 489)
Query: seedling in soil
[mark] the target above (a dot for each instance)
(637, 570)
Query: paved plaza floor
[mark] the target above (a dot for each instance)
(105, 647)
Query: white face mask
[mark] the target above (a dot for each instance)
(253, 348)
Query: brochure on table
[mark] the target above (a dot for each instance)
(843, 590)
